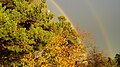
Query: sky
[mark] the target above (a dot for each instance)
(99, 17)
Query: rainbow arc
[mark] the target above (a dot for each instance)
(97, 18)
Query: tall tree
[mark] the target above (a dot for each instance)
(30, 37)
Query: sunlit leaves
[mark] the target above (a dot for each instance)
(62, 54)
(29, 28)
(62, 19)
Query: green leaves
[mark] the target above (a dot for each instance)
(62, 19)
(26, 28)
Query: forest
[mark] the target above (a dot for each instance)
(29, 37)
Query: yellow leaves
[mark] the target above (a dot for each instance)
(33, 29)
(28, 60)
(43, 59)
(58, 48)
(60, 54)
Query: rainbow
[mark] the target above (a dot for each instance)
(63, 13)
(98, 21)
(100, 25)
(61, 10)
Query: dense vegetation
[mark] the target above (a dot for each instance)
(29, 37)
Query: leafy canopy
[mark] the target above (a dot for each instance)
(30, 37)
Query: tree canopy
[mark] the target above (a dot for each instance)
(30, 37)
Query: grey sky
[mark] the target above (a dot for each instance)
(82, 13)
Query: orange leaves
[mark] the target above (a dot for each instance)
(61, 53)
(57, 47)
(28, 29)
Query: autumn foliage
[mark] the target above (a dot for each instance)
(29, 37)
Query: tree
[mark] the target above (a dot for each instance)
(117, 58)
(96, 58)
(30, 37)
